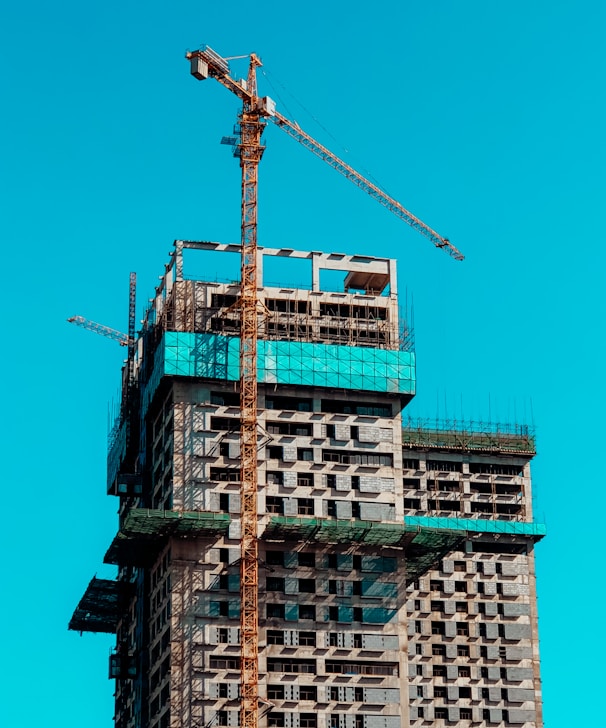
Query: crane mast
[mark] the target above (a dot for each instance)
(251, 151)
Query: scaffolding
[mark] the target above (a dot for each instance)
(101, 606)
(213, 356)
(143, 532)
(476, 436)
(289, 315)
(424, 546)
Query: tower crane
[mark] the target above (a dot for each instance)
(252, 119)
(121, 338)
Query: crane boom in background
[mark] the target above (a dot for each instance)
(123, 339)
(118, 336)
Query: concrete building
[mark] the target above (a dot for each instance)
(396, 581)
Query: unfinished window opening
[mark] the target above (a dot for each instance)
(273, 504)
(285, 272)
(224, 663)
(292, 404)
(305, 506)
(307, 558)
(332, 281)
(444, 505)
(225, 475)
(275, 692)
(350, 407)
(290, 665)
(445, 466)
(362, 668)
(287, 305)
(225, 399)
(348, 457)
(305, 480)
(275, 611)
(274, 558)
(212, 266)
(275, 637)
(307, 639)
(496, 468)
(225, 424)
(302, 429)
(274, 477)
(499, 548)
(307, 611)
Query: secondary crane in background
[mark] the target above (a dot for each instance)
(127, 340)
(121, 338)
(252, 119)
(118, 336)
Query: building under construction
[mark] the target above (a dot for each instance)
(396, 559)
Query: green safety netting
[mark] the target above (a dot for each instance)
(478, 525)
(329, 530)
(215, 356)
(143, 530)
(424, 547)
(100, 607)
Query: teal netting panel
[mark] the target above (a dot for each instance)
(477, 524)
(292, 362)
(202, 355)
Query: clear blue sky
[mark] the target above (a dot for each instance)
(485, 119)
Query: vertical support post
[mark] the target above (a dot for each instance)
(251, 151)
(127, 408)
